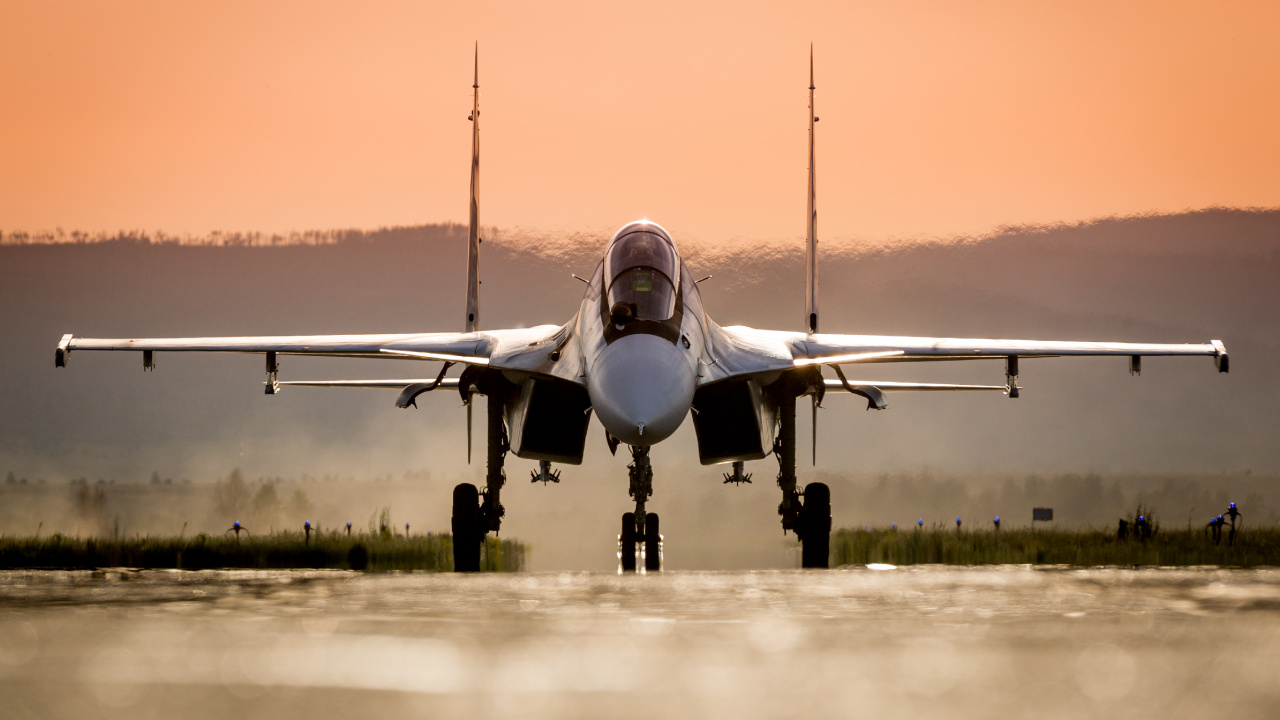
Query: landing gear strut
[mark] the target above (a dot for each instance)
(808, 515)
(476, 513)
(640, 526)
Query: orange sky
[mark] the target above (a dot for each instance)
(937, 118)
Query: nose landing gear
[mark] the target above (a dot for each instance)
(640, 528)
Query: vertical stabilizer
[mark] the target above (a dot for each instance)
(811, 226)
(473, 237)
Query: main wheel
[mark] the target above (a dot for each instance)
(467, 533)
(652, 553)
(815, 526)
(628, 544)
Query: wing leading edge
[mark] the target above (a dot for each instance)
(527, 349)
(739, 350)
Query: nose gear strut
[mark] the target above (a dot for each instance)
(641, 473)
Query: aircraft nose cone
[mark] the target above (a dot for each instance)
(641, 388)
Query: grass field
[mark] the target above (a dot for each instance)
(1050, 547)
(280, 550)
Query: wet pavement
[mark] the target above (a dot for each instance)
(859, 642)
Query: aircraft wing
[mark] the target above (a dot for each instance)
(532, 349)
(741, 350)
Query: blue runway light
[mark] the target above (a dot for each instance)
(1232, 506)
(920, 522)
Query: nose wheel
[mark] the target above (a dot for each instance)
(640, 548)
(627, 543)
(652, 544)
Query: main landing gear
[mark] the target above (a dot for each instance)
(476, 513)
(807, 513)
(640, 528)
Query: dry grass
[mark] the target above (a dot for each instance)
(280, 550)
(1050, 547)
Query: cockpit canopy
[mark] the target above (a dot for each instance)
(643, 269)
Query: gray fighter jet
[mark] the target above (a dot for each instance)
(642, 354)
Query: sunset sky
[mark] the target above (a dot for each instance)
(937, 118)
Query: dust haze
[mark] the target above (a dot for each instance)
(102, 447)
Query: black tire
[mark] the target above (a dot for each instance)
(467, 534)
(652, 555)
(628, 548)
(815, 526)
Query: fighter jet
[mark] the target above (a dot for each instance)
(641, 354)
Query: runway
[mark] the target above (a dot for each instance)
(924, 641)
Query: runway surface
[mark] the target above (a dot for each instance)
(921, 641)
